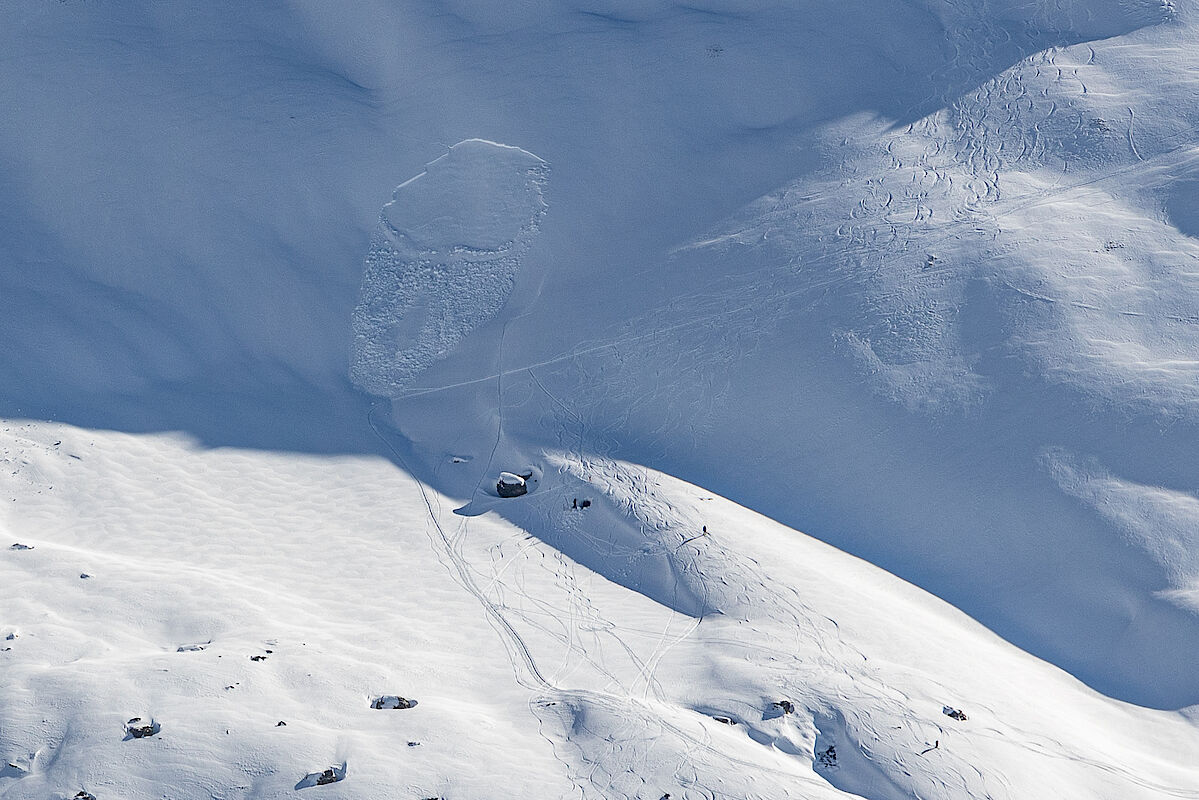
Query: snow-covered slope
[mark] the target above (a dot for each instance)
(917, 279)
(228, 591)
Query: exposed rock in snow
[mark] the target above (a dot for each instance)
(511, 485)
(391, 701)
(323, 777)
(141, 727)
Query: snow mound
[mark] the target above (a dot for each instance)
(444, 260)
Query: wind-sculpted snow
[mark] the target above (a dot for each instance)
(1162, 522)
(444, 260)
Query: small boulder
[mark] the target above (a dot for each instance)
(19, 546)
(828, 757)
(391, 701)
(725, 720)
(786, 706)
(84, 796)
(327, 777)
(511, 485)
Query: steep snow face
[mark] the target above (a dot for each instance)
(478, 197)
(893, 340)
(1004, 272)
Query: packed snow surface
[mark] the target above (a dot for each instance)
(287, 287)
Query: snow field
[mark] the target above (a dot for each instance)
(201, 560)
(240, 554)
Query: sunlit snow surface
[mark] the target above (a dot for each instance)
(285, 287)
(533, 675)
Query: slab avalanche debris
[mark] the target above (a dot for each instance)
(444, 260)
